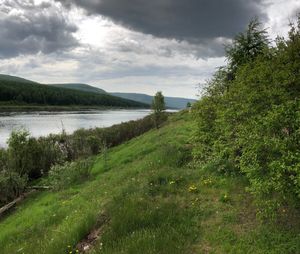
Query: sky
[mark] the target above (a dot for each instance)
(142, 46)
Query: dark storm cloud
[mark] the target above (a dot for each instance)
(26, 28)
(192, 20)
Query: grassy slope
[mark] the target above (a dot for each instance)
(144, 189)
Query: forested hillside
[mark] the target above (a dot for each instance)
(171, 102)
(17, 92)
(80, 87)
(4, 77)
(249, 117)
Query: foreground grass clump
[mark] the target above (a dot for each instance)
(143, 187)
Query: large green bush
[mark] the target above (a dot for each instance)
(271, 155)
(249, 122)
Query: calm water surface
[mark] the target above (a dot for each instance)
(44, 123)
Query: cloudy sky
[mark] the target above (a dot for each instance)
(128, 45)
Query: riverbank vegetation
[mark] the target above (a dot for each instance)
(28, 158)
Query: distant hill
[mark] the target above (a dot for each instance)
(80, 87)
(4, 77)
(141, 99)
(18, 91)
(171, 102)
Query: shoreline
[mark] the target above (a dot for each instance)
(35, 108)
(106, 120)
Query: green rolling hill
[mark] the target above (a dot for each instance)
(141, 99)
(16, 91)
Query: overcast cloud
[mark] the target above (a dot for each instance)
(28, 28)
(128, 45)
(205, 22)
(195, 20)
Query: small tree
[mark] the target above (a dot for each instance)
(158, 106)
(246, 46)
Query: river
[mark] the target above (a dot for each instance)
(44, 123)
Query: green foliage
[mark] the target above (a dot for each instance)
(90, 142)
(158, 103)
(158, 106)
(250, 124)
(70, 173)
(30, 156)
(271, 155)
(26, 157)
(246, 46)
(3, 159)
(11, 186)
(19, 152)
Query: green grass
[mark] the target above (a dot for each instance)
(157, 202)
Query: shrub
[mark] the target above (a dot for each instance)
(33, 157)
(83, 143)
(3, 159)
(49, 154)
(18, 159)
(271, 155)
(62, 176)
(11, 186)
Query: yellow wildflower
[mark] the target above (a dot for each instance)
(192, 188)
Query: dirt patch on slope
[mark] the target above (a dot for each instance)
(86, 244)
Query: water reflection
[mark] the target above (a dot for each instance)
(44, 123)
